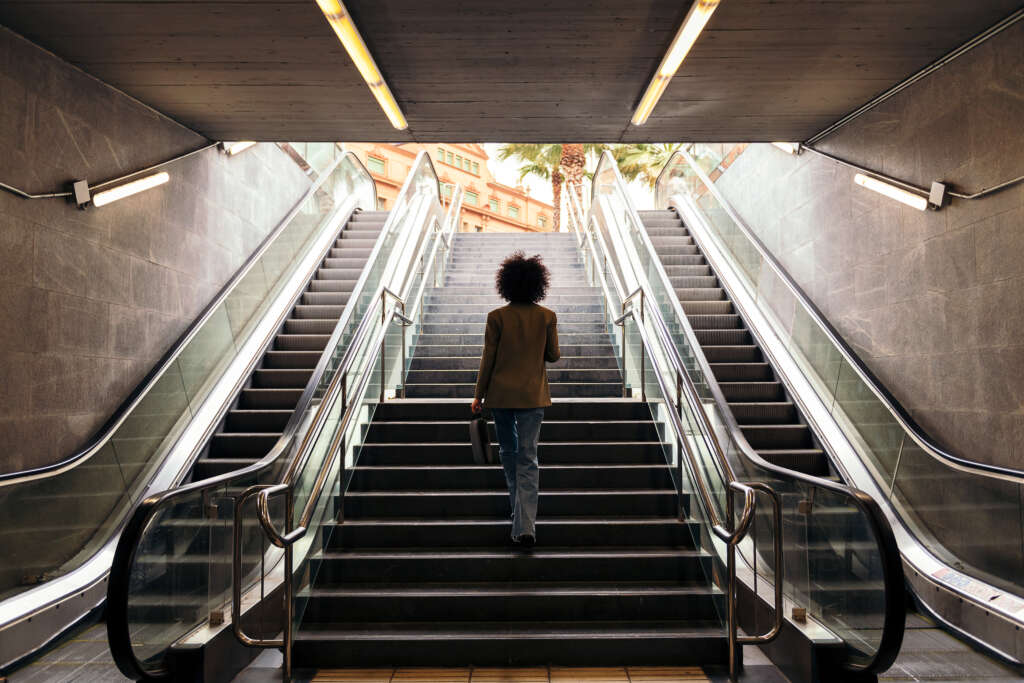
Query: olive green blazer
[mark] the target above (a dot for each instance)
(518, 341)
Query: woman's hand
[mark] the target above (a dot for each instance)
(477, 406)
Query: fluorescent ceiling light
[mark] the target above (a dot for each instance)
(128, 189)
(788, 147)
(892, 192)
(236, 147)
(341, 22)
(698, 16)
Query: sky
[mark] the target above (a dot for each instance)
(507, 172)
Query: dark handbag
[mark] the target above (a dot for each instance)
(480, 440)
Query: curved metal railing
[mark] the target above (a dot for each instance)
(190, 525)
(60, 522)
(872, 629)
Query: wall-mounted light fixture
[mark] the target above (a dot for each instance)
(788, 147)
(233, 148)
(892, 192)
(341, 21)
(81, 196)
(698, 16)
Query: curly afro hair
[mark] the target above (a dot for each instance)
(522, 280)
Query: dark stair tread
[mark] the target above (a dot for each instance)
(516, 588)
(489, 630)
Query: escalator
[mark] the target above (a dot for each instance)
(258, 418)
(217, 401)
(803, 402)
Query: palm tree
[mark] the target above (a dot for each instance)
(557, 163)
(643, 161)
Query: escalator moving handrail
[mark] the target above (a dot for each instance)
(917, 433)
(104, 433)
(893, 577)
(128, 544)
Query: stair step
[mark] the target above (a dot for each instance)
(498, 644)
(494, 503)
(492, 477)
(459, 453)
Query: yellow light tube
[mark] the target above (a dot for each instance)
(892, 192)
(696, 19)
(128, 189)
(340, 20)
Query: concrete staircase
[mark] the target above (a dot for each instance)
(421, 570)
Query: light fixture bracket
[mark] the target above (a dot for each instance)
(80, 193)
(938, 196)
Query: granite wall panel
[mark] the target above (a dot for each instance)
(89, 300)
(933, 301)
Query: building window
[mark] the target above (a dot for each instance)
(450, 157)
(478, 228)
(476, 168)
(542, 221)
(446, 190)
(382, 203)
(440, 154)
(513, 211)
(472, 198)
(375, 165)
(458, 161)
(494, 205)
(465, 164)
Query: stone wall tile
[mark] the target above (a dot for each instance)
(999, 241)
(68, 264)
(154, 287)
(949, 260)
(24, 318)
(79, 324)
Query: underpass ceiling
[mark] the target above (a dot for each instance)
(519, 70)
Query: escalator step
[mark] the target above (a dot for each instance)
(693, 282)
(778, 436)
(291, 359)
(281, 378)
(301, 342)
(723, 337)
(692, 308)
(257, 421)
(348, 252)
(742, 372)
(344, 286)
(339, 274)
(272, 399)
(690, 270)
(738, 353)
(700, 293)
(752, 391)
(325, 298)
(310, 326)
(764, 413)
(807, 460)
(682, 260)
(717, 321)
(241, 445)
(306, 311)
(207, 467)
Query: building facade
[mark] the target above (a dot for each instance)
(488, 206)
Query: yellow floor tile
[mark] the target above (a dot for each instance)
(493, 675)
(589, 674)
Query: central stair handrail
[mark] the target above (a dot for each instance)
(723, 523)
(629, 260)
(413, 215)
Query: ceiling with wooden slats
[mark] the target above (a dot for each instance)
(517, 70)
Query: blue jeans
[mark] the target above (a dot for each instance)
(517, 440)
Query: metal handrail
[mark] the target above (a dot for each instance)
(103, 435)
(292, 534)
(117, 620)
(893, 579)
(891, 402)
